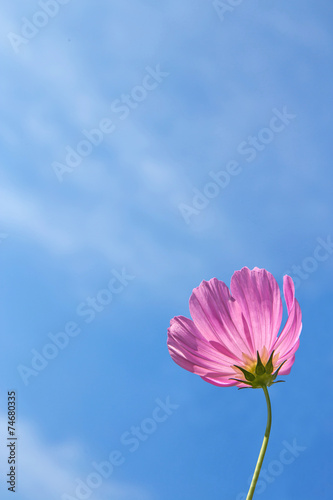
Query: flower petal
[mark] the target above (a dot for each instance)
(288, 338)
(288, 291)
(221, 381)
(189, 349)
(289, 358)
(220, 320)
(258, 295)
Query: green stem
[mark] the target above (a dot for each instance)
(263, 447)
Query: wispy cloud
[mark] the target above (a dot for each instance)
(46, 470)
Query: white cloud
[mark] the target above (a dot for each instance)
(19, 211)
(97, 223)
(46, 471)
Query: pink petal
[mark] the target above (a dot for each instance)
(189, 349)
(288, 291)
(288, 338)
(259, 297)
(221, 381)
(290, 358)
(219, 318)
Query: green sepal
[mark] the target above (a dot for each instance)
(242, 382)
(248, 375)
(269, 364)
(262, 376)
(275, 374)
(260, 369)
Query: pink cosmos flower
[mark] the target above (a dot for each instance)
(234, 336)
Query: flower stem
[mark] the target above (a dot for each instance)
(263, 446)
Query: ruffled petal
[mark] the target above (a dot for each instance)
(221, 381)
(219, 318)
(258, 295)
(189, 349)
(288, 291)
(289, 360)
(288, 338)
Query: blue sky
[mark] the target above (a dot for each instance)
(103, 251)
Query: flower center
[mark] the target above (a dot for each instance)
(259, 374)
